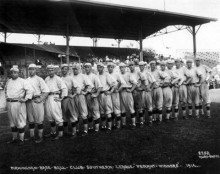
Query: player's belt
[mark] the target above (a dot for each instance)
(54, 93)
(191, 84)
(36, 96)
(12, 100)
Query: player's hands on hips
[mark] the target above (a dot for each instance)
(128, 90)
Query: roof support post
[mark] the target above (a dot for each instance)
(141, 43)
(5, 37)
(67, 45)
(194, 40)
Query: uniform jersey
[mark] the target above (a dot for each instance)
(82, 81)
(107, 81)
(172, 74)
(205, 71)
(95, 82)
(72, 86)
(18, 88)
(56, 84)
(118, 79)
(183, 73)
(38, 84)
(159, 76)
(129, 79)
(195, 74)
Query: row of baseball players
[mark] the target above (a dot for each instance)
(105, 98)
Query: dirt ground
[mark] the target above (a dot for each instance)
(185, 146)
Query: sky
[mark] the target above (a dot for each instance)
(208, 36)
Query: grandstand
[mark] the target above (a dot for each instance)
(208, 57)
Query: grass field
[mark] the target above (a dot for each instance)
(161, 147)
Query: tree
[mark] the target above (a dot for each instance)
(148, 54)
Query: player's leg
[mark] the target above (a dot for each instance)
(102, 111)
(189, 99)
(12, 122)
(108, 111)
(30, 117)
(159, 104)
(123, 98)
(148, 106)
(48, 112)
(197, 101)
(21, 121)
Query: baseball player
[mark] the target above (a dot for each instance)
(105, 100)
(127, 101)
(174, 84)
(147, 95)
(35, 107)
(138, 92)
(157, 93)
(193, 91)
(58, 91)
(18, 91)
(204, 88)
(120, 84)
(68, 105)
(185, 77)
(92, 98)
(85, 85)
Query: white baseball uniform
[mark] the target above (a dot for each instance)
(68, 104)
(35, 111)
(92, 103)
(15, 90)
(53, 108)
(105, 101)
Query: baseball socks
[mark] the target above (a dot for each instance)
(40, 133)
(123, 119)
(208, 111)
(85, 126)
(118, 125)
(176, 111)
(31, 127)
(109, 120)
(197, 111)
(201, 110)
(103, 122)
(141, 116)
(97, 125)
(159, 111)
(150, 117)
(184, 112)
(133, 121)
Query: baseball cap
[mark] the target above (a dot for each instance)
(50, 67)
(142, 63)
(100, 64)
(130, 63)
(122, 64)
(110, 64)
(162, 63)
(32, 65)
(152, 62)
(170, 61)
(87, 64)
(14, 69)
(76, 66)
(189, 60)
(64, 65)
(197, 58)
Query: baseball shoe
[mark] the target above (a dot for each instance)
(166, 120)
(39, 140)
(197, 116)
(90, 129)
(13, 141)
(57, 138)
(185, 117)
(108, 131)
(150, 124)
(96, 132)
(159, 122)
(103, 128)
(123, 126)
(30, 139)
(84, 133)
(133, 127)
(208, 117)
(73, 136)
(20, 142)
(141, 124)
(50, 135)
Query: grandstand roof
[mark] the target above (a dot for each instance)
(87, 19)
